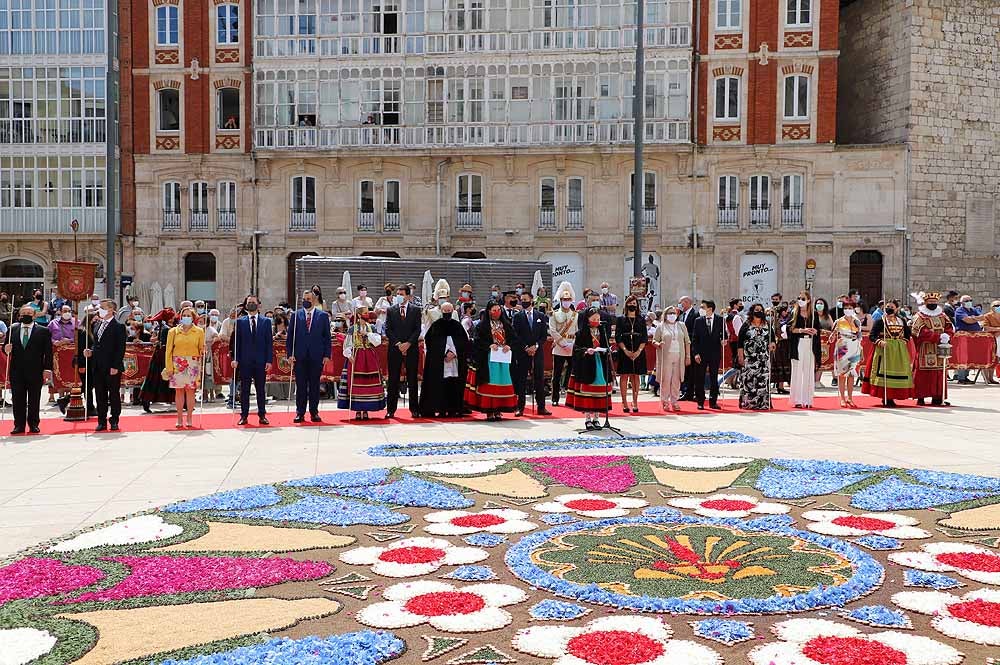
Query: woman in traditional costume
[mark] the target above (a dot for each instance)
(889, 373)
(361, 388)
(847, 353)
(562, 329)
(673, 354)
(589, 388)
(753, 349)
(488, 386)
(154, 387)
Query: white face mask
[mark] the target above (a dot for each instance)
(671, 318)
(95, 303)
(66, 316)
(342, 296)
(566, 304)
(803, 303)
(702, 312)
(848, 311)
(604, 289)
(967, 305)
(362, 293)
(101, 312)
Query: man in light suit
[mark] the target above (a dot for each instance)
(402, 327)
(531, 329)
(29, 354)
(252, 350)
(706, 349)
(307, 346)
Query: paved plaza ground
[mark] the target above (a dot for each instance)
(53, 485)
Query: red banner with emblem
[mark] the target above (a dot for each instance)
(75, 279)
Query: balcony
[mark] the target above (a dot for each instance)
(728, 216)
(574, 218)
(760, 218)
(199, 220)
(391, 222)
(366, 221)
(546, 218)
(468, 219)
(791, 216)
(648, 218)
(225, 221)
(43, 130)
(171, 220)
(51, 221)
(302, 220)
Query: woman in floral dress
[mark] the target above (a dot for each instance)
(754, 349)
(488, 386)
(846, 353)
(185, 352)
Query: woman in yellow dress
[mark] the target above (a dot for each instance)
(185, 352)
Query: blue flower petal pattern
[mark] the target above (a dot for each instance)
(825, 467)
(258, 496)
(557, 518)
(724, 631)
(775, 483)
(471, 574)
(878, 616)
(325, 510)
(366, 647)
(894, 493)
(879, 543)
(962, 481)
(409, 491)
(485, 539)
(344, 479)
(556, 610)
(919, 578)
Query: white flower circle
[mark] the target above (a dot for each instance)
(843, 523)
(636, 640)
(469, 609)
(818, 641)
(23, 645)
(141, 529)
(728, 505)
(591, 505)
(412, 556)
(974, 617)
(461, 522)
(971, 561)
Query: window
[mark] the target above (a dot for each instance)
(303, 193)
(648, 190)
(547, 192)
(574, 193)
(227, 24)
(228, 100)
(172, 197)
(797, 97)
(727, 14)
(727, 98)
(199, 197)
(392, 196)
(168, 110)
(166, 25)
(367, 192)
(470, 193)
(227, 196)
(791, 200)
(199, 277)
(798, 12)
(729, 194)
(760, 192)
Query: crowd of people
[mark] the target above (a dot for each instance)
(491, 358)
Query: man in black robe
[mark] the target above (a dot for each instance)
(445, 365)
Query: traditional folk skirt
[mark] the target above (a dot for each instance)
(497, 394)
(888, 374)
(154, 387)
(361, 383)
(589, 397)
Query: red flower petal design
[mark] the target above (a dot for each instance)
(444, 603)
(864, 523)
(34, 578)
(982, 612)
(729, 505)
(590, 504)
(614, 647)
(978, 561)
(852, 651)
(412, 555)
(481, 521)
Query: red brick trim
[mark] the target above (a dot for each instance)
(798, 39)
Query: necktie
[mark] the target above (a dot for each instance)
(710, 324)
(25, 335)
(309, 321)
(402, 311)
(253, 325)
(100, 330)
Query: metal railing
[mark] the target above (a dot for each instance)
(546, 218)
(51, 221)
(791, 215)
(391, 222)
(468, 219)
(760, 217)
(648, 218)
(302, 220)
(574, 218)
(171, 220)
(198, 220)
(225, 221)
(729, 216)
(366, 221)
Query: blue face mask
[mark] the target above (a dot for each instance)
(186, 320)
(398, 300)
(307, 304)
(147, 326)
(997, 309)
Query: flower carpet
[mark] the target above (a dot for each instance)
(548, 560)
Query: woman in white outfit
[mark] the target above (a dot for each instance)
(805, 351)
(673, 354)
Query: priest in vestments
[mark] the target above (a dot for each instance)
(445, 353)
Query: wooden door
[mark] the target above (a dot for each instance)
(866, 276)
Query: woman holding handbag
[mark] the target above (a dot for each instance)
(184, 354)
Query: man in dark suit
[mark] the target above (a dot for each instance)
(307, 345)
(29, 357)
(687, 315)
(402, 327)
(706, 348)
(107, 362)
(531, 329)
(252, 351)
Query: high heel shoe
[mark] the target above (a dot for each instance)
(843, 403)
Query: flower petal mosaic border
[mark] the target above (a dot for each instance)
(605, 559)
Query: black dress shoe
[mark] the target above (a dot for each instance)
(299, 419)
(17, 430)
(34, 429)
(101, 427)
(390, 414)
(242, 420)
(263, 420)
(715, 406)
(544, 412)
(314, 417)
(519, 413)
(701, 407)
(115, 427)
(414, 414)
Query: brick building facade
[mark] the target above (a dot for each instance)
(927, 73)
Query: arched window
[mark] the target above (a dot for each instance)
(168, 110)
(797, 97)
(227, 24)
(166, 25)
(228, 108)
(199, 277)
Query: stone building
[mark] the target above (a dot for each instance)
(926, 73)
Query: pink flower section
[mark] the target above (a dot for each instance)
(33, 578)
(600, 473)
(157, 575)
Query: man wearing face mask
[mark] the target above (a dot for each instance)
(931, 326)
(562, 329)
(531, 329)
(967, 318)
(362, 299)
(402, 327)
(446, 351)
(28, 349)
(106, 357)
(252, 350)
(609, 301)
(706, 349)
(308, 346)
(63, 328)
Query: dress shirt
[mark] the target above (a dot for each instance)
(450, 366)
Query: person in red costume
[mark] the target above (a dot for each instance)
(931, 326)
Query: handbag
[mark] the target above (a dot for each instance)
(165, 374)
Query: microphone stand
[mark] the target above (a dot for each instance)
(607, 413)
(6, 378)
(291, 365)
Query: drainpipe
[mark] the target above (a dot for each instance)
(437, 230)
(906, 225)
(695, 58)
